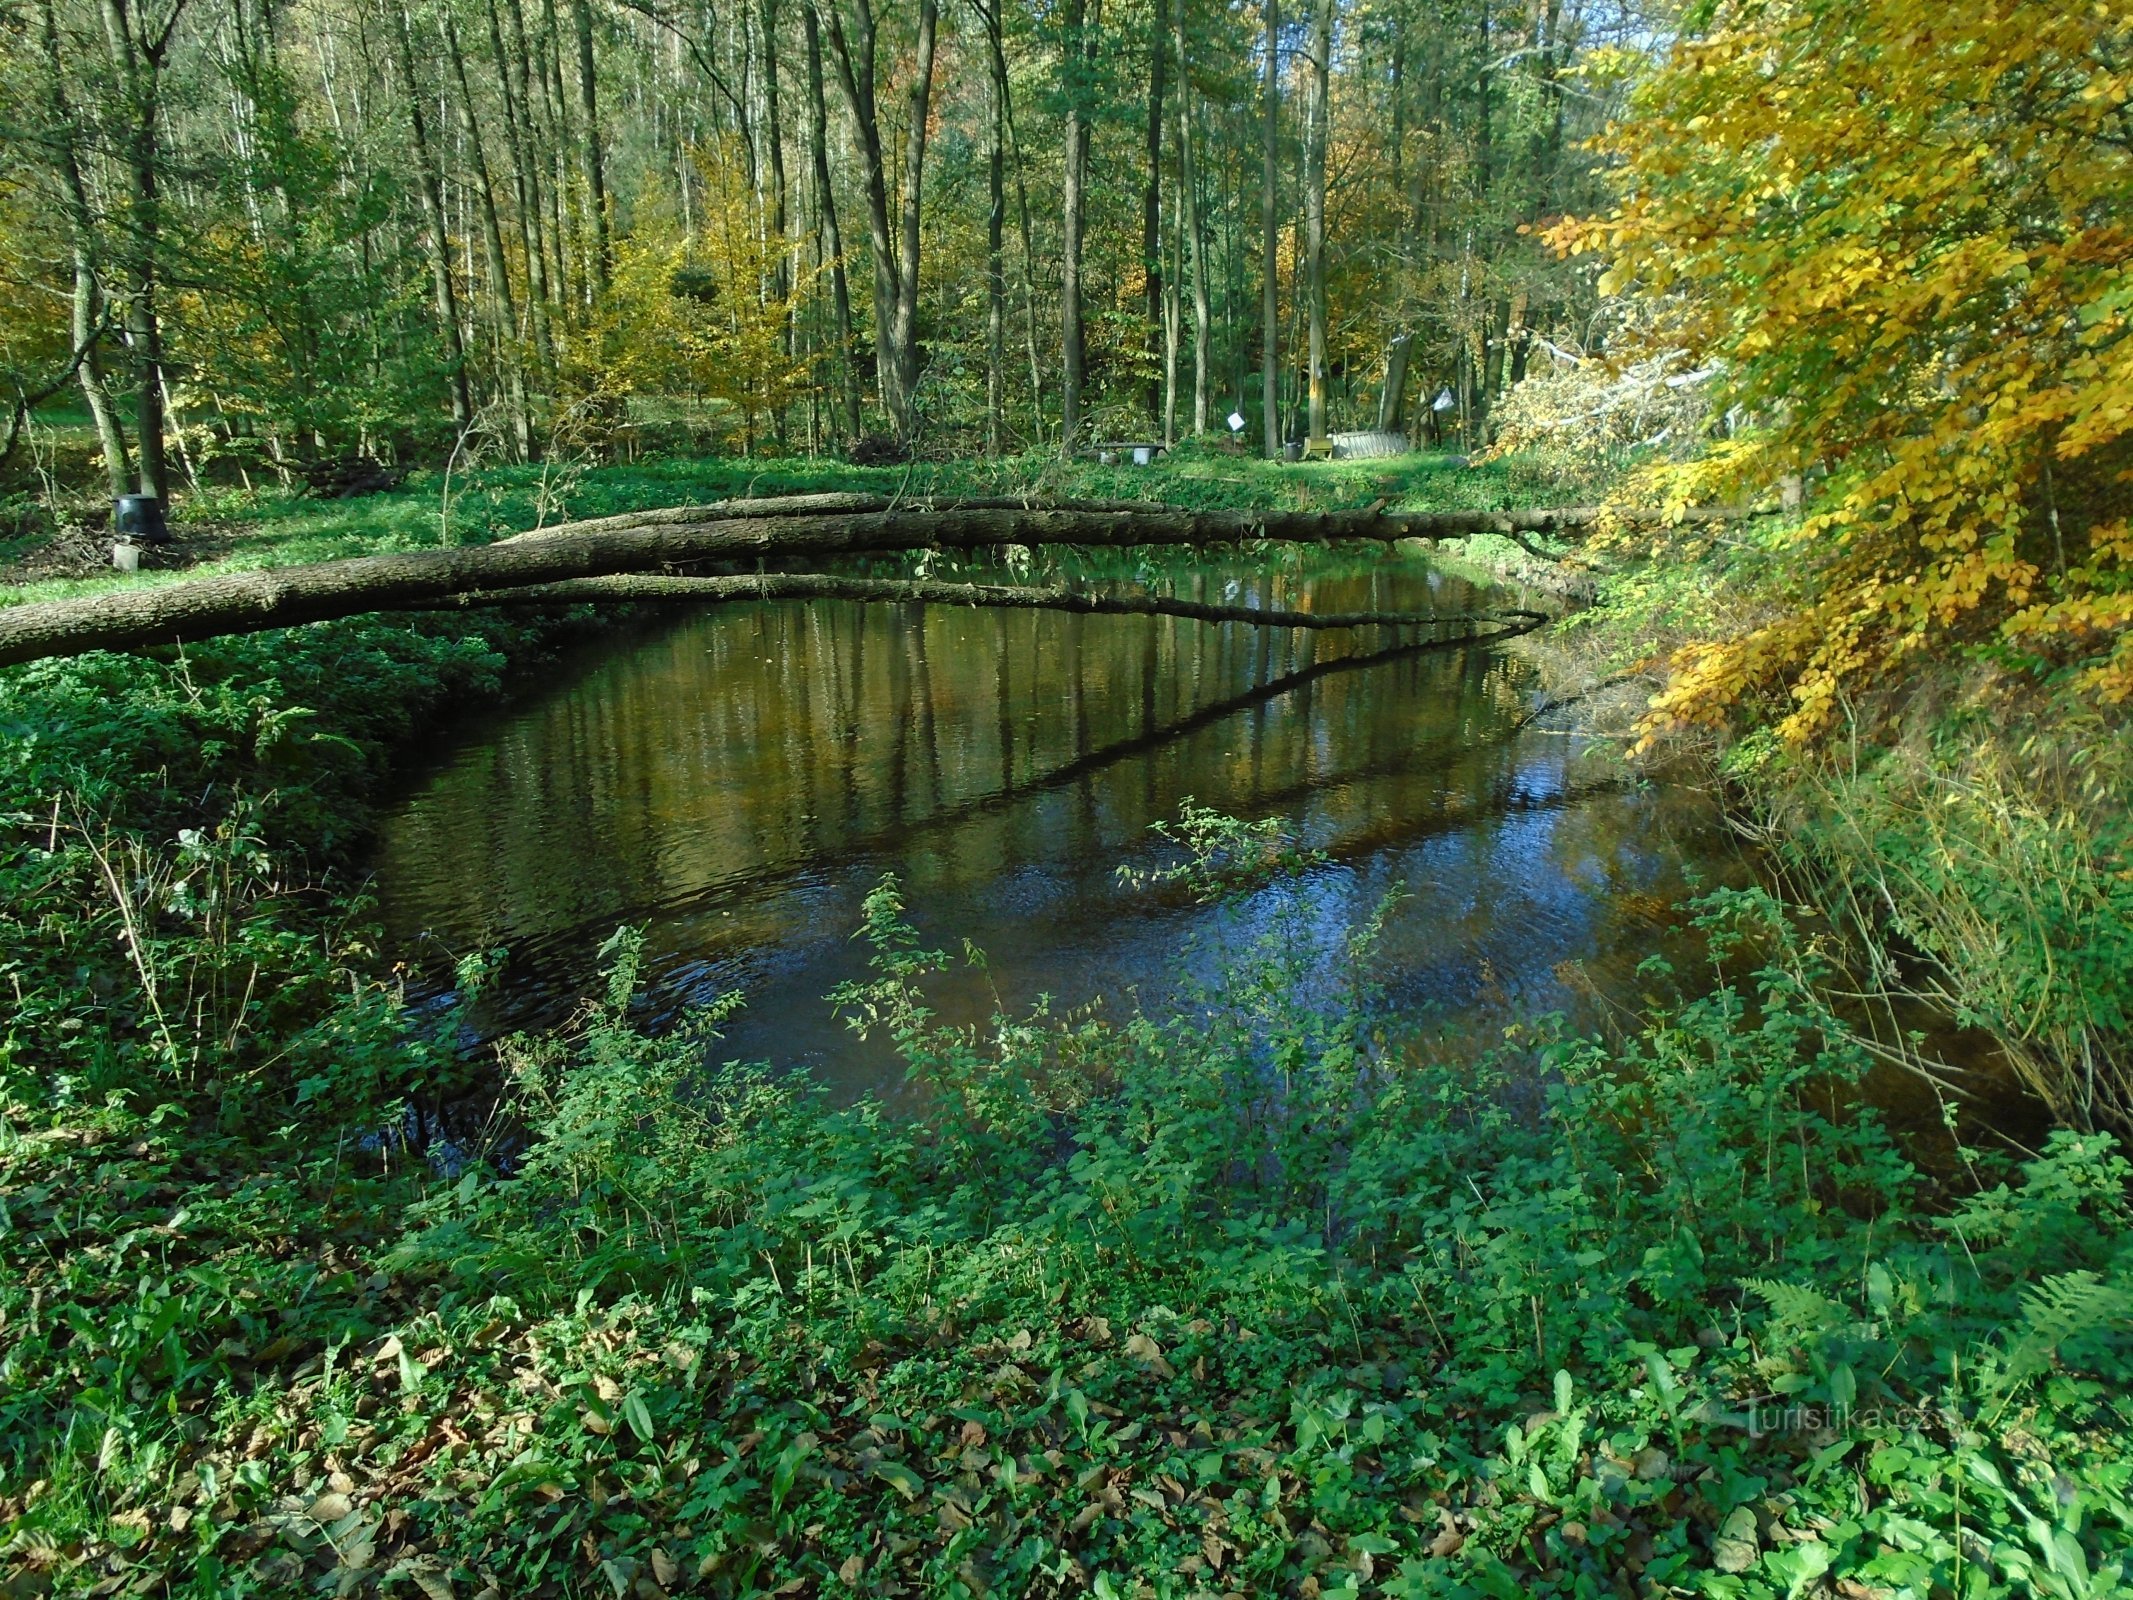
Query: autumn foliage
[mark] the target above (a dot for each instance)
(1901, 232)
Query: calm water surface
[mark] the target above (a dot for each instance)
(736, 780)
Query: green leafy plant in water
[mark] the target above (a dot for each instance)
(1225, 857)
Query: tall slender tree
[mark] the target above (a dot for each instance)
(1270, 239)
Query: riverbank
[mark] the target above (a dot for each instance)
(1117, 1319)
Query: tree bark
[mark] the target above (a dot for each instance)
(1195, 237)
(505, 315)
(896, 251)
(431, 186)
(740, 588)
(1073, 348)
(1152, 194)
(590, 152)
(138, 49)
(88, 308)
(832, 239)
(1315, 208)
(1270, 250)
(250, 602)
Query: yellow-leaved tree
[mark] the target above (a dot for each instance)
(1900, 230)
(704, 311)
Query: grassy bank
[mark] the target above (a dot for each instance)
(1245, 1301)
(1964, 833)
(56, 547)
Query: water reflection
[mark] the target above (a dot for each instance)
(737, 779)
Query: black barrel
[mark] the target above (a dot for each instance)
(138, 519)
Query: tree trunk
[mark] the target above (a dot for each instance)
(590, 154)
(832, 240)
(88, 292)
(137, 62)
(1152, 195)
(1270, 243)
(1484, 134)
(1315, 208)
(753, 587)
(996, 273)
(1394, 392)
(250, 602)
(431, 186)
(1073, 349)
(780, 219)
(896, 253)
(1195, 237)
(505, 319)
(1173, 332)
(526, 187)
(1004, 98)
(571, 278)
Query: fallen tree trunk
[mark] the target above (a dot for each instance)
(656, 589)
(828, 503)
(248, 602)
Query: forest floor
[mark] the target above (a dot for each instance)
(1248, 1301)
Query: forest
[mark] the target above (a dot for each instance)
(304, 238)
(1036, 797)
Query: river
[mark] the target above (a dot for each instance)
(735, 780)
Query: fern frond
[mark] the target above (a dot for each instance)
(2065, 1306)
(1797, 1311)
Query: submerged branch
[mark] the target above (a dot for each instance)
(650, 587)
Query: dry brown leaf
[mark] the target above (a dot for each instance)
(331, 1507)
(664, 1568)
(851, 1570)
(953, 1517)
(1449, 1540)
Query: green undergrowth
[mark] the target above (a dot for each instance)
(1244, 1302)
(1255, 1299)
(1981, 853)
(1966, 831)
(177, 839)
